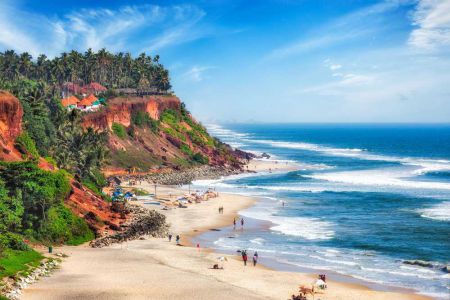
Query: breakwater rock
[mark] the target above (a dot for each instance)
(143, 222)
(179, 177)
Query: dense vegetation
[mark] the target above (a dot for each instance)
(119, 70)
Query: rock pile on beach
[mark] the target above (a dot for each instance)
(143, 222)
(189, 175)
(12, 287)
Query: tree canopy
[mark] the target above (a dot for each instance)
(118, 70)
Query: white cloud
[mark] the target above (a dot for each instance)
(432, 18)
(196, 73)
(335, 67)
(125, 29)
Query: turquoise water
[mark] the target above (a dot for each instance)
(365, 199)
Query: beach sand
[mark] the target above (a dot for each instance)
(156, 269)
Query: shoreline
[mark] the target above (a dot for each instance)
(153, 267)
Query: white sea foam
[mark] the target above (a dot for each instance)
(380, 177)
(439, 211)
(423, 165)
(307, 228)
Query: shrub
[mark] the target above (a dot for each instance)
(185, 149)
(170, 117)
(62, 226)
(199, 158)
(119, 130)
(26, 145)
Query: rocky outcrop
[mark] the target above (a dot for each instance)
(120, 110)
(189, 175)
(144, 222)
(10, 126)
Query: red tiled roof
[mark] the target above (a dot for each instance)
(72, 100)
(88, 101)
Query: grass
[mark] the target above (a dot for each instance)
(139, 192)
(119, 130)
(14, 261)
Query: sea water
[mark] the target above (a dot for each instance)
(365, 199)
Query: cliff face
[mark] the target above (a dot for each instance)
(121, 109)
(178, 140)
(10, 126)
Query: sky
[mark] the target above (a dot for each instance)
(265, 61)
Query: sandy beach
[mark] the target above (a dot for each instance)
(156, 269)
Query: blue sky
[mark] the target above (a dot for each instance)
(265, 61)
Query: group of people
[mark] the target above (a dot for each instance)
(177, 238)
(245, 257)
(242, 223)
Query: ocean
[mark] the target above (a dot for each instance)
(365, 200)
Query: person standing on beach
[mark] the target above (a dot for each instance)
(244, 257)
(255, 258)
(170, 237)
(234, 223)
(178, 239)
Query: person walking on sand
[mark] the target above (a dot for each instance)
(244, 257)
(170, 237)
(255, 258)
(178, 240)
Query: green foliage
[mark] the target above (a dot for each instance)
(26, 144)
(35, 99)
(170, 117)
(139, 192)
(95, 182)
(185, 149)
(9, 240)
(62, 226)
(14, 261)
(199, 158)
(31, 203)
(81, 152)
(51, 160)
(174, 133)
(143, 119)
(119, 130)
(11, 211)
(134, 159)
(38, 190)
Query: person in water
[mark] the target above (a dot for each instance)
(234, 223)
(255, 258)
(242, 222)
